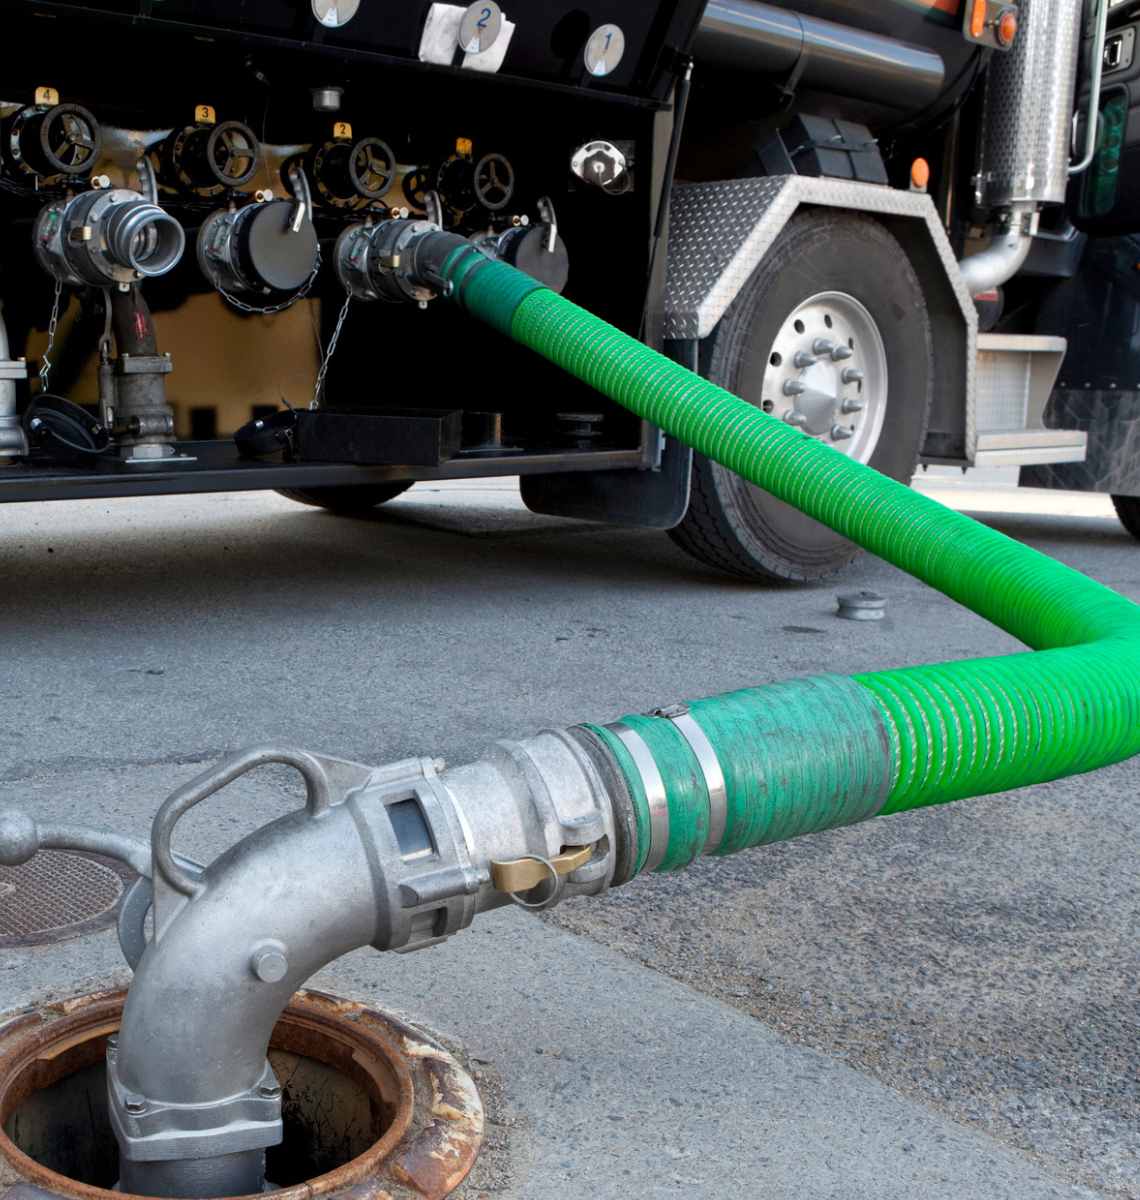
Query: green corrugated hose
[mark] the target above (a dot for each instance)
(811, 754)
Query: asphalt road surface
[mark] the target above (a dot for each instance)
(934, 1004)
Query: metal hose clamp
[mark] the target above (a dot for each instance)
(686, 725)
(655, 794)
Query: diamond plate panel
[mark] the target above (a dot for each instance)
(1028, 111)
(1003, 390)
(718, 232)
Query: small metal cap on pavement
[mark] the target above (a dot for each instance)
(862, 606)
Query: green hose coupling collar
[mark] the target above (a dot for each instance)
(479, 290)
(760, 765)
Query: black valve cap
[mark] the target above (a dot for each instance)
(265, 436)
(527, 249)
(272, 254)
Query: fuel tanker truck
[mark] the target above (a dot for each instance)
(728, 269)
(906, 229)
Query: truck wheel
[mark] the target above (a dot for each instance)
(832, 334)
(1128, 510)
(346, 499)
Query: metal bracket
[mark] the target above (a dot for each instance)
(152, 1131)
(143, 364)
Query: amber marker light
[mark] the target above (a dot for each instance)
(1006, 27)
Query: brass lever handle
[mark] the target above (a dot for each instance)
(522, 874)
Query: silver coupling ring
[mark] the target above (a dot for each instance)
(686, 725)
(655, 794)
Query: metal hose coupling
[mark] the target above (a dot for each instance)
(397, 857)
(401, 260)
(107, 236)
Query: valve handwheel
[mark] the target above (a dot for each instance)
(494, 182)
(372, 167)
(231, 154)
(415, 187)
(61, 140)
(69, 138)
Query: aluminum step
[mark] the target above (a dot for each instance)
(1015, 377)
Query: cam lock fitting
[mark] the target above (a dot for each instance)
(397, 857)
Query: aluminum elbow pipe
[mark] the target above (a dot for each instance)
(397, 857)
(1002, 258)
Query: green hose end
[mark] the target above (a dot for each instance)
(752, 767)
(488, 289)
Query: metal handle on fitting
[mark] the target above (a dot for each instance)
(186, 797)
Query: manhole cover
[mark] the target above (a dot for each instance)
(58, 895)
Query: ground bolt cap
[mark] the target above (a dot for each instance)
(862, 606)
(269, 964)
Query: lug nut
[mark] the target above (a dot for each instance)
(851, 406)
(852, 375)
(840, 353)
(793, 387)
(270, 1091)
(803, 359)
(794, 418)
(822, 346)
(135, 1105)
(840, 433)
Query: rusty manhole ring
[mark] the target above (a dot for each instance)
(59, 894)
(374, 1109)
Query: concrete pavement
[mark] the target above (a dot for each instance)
(936, 1005)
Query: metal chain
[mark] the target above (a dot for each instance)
(275, 308)
(53, 325)
(330, 351)
(105, 339)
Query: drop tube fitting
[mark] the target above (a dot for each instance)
(397, 857)
(106, 237)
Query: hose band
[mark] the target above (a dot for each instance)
(655, 793)
(488, 289)
(685, 724)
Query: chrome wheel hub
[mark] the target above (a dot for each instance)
(827, 373)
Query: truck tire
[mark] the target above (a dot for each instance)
(346, 499)
(843, 278)
(1128, 510)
